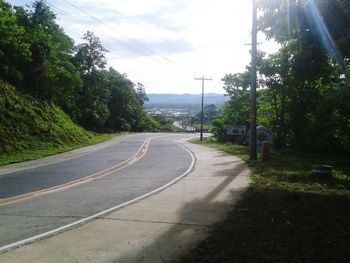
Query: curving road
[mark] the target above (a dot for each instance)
(132, 167)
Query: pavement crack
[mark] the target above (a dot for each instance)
(153, 222)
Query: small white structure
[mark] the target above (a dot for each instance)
(263, 135)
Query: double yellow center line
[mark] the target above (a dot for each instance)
(138, 155)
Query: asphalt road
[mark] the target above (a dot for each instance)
(163, 161)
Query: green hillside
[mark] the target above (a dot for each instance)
(31, 128)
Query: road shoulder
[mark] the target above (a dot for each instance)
(156, 229)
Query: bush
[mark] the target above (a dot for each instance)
(218, 129)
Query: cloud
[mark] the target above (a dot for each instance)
(131, 28)
(166, 43)
(123, 48)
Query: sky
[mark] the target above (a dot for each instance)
(165, 44)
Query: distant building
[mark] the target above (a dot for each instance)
(155, 113)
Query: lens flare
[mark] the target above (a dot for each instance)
(326, 36)
(288, 17)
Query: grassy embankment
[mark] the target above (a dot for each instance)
(287, 215)
(30, 128)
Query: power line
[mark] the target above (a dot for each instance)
(137, 50)
(81, 22)
(135, 44)
(120, 33)
(75, 19)
(233, 60)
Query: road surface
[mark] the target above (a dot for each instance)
(86, 185)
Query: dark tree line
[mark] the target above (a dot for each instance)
(304, 95)
(38, 58)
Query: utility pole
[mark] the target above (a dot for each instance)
(252, 140)
(202, 112)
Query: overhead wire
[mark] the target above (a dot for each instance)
(134, 42)
(166, 59)
(81, 22)
(233, 60)
(117, 31)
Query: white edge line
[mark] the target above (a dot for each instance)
(83, 221)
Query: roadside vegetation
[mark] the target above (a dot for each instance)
(38, 58)
(287, 215)
(31, 128)
(303, 92)
(55, 95)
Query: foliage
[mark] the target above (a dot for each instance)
(13, 49)
(304, 77)
(32, 128)
(165, 124)
(39, 59)
(157, 124)
(304, 86)
(210, 112)
(218, 129)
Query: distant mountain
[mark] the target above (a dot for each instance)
(183, 99)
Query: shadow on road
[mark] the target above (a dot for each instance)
(193, 219)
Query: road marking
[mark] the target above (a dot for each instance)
(139, 154)
(103, 213)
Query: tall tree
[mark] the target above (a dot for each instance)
(50, 50)
(90, 60)
(125, 104)
(302, 76)
(90, 55)
(14, 51)
(141, 92)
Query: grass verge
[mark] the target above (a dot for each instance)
(47, 149)
(31, 128)
(287, 215)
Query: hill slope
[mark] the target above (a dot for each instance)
(193, 99)
(30, 128)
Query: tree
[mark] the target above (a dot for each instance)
(90, 55)
(303, 77)
(50, 50)
(210, 112)
(14, 52)
(141, 93)
(124, 104)
(90, 60)
(286, 73)
(40, 59)
(284, 20)
(237, 87)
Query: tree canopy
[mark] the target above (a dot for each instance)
(304, 93)
(40, 59)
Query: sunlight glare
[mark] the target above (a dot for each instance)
(326, 36)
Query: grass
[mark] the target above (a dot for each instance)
(287, 215)
(31, 128)
(49, 149)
